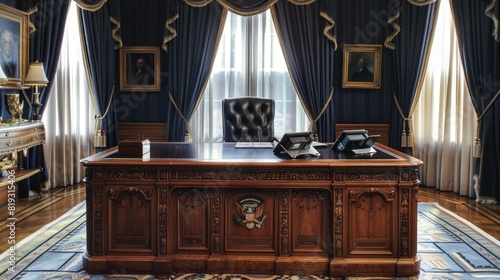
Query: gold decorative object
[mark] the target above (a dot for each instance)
(8, 161)
(15, 108)
(36, 77)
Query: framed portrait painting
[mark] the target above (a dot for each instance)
(14, 42)
(140, 69)
(362, 66)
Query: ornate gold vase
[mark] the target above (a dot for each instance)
(15, 108)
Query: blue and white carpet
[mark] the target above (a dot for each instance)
(449, 246)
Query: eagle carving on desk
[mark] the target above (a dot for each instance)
(249, 209)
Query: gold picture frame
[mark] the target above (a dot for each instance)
(14, 44)
(362, 66)
(140, 69)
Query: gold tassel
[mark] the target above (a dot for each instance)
(404, 136)
(187, 137)
(477, 150)
(404, 139)
(100, 134)
(100, 139)
(409, 136)
(409, 141)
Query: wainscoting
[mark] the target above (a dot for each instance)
(154, 132)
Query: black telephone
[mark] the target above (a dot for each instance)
(356, 141)
(296, 145)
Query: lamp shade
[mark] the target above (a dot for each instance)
(2, 75)
(36, 75)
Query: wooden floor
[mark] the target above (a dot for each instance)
(37, 211)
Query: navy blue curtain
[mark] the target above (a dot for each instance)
(411, 46)
(45, 42)
(100, 50)
(49, 20)
(189, 59)
(480, 53)
(310, 56)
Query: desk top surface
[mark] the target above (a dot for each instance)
(226, 153)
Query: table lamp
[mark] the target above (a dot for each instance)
(36, 77)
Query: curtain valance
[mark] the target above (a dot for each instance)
(421, 2)
(396, 27)
(246, 7)
(90, 5)
(249, 8)
(240, 7)
(489, 12)
(96, 5)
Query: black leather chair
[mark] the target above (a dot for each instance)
(248, 119)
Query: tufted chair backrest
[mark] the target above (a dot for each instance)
(248, 119)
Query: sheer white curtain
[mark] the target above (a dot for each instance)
(68, 114)
(249, 62)
(444, 118)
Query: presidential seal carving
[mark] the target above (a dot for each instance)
(249, 212)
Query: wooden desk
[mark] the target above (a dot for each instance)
(216, 209)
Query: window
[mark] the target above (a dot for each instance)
(444, 121)
(69, 115)
(249, 62)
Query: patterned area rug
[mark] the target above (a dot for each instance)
(449, 246)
